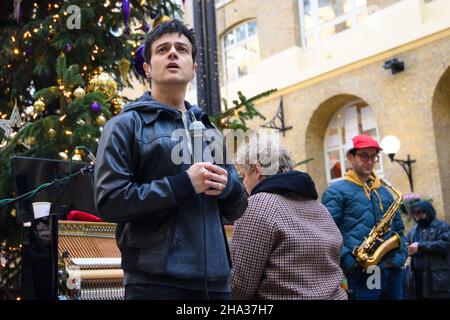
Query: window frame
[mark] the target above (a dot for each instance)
(236, 44)
(317, 27)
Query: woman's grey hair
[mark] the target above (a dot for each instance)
(266, 150)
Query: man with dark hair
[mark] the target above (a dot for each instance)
(429, 248)
(357, 203)
(168, 213)
(175, 26)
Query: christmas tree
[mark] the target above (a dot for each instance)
(62, 67)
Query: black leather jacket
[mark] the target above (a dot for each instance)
(164, 227)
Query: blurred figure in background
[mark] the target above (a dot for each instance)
(429, 248)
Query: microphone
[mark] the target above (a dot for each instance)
(196, 131)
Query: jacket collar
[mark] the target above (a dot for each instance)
(151, 109)
(374, 182)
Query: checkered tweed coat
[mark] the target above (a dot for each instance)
(286, 247)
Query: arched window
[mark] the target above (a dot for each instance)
(354, 118)
(240, 50)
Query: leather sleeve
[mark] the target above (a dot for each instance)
(118, 198)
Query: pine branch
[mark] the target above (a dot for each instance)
(244, 102)
(61, 65)
(243, 110)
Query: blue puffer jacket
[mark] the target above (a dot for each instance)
(355, 215)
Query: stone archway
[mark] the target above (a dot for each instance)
(441, 124)
(315, 134)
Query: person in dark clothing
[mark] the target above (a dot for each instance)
(169, 212)
(429, 248)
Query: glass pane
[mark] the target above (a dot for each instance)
(229, 39)
(371, 132)
(348, 6)
(334, 162)
(360, 3)
(251, 28)
(333, 135)
(310, 38)
(333, 139)
(241, 61)
(231, 64)
(330, 9)
(253, 55)
(307, 6)
(351, 122)
(240, 33)
(326, 13)
(309, 21)
(367, 119)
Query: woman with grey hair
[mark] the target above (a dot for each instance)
(286, 245)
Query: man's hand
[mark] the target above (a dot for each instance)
(413, 248)
(208, 178)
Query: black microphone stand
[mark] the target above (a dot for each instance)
(53, 222)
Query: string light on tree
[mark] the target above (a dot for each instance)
(64, 156)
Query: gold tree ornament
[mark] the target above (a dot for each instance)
(51, 133)
(39, 106)
(124, 68)
(79, 93)
(103, 83)
(100, 120)
(118, 104)
(161, 19)
(30, 140)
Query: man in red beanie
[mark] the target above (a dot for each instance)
(357, 203)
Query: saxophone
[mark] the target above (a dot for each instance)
(373, 248)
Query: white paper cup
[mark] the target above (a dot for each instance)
(41, 209)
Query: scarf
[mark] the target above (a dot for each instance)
(373, 183)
